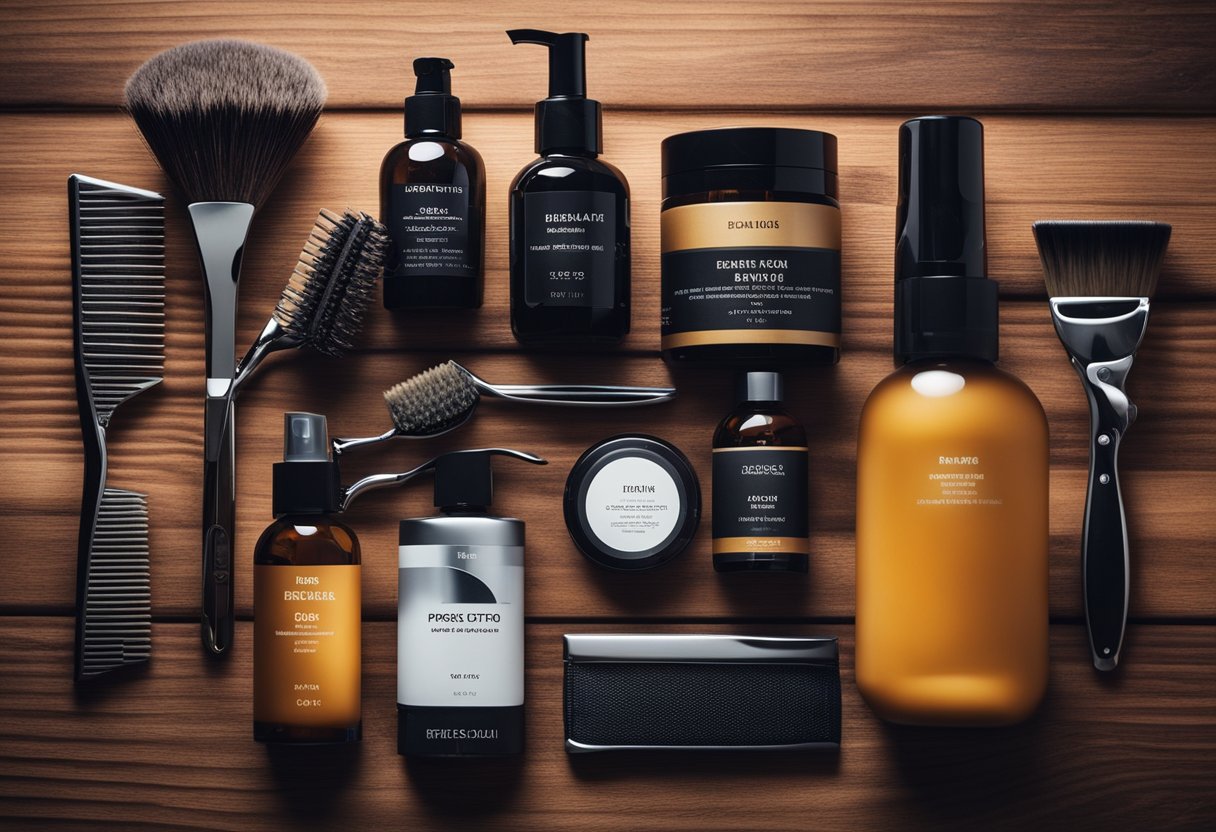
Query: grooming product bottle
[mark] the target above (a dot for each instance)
(460, 618)
(952, 470)
(751, 247)
(433, 201)
(306, 631)
(760, 499)
(569, 215)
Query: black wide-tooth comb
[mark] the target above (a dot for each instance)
(118, 291)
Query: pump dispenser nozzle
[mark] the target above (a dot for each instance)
(432, 108)
(566, 120)
(463, 479)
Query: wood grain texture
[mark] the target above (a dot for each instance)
(156, 448)
(1062, 55)
(1141, 753)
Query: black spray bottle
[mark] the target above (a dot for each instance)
(460, 617)
(433, 202)
(569, 215)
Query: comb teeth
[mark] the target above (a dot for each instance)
(118, 262)
(323, 303)
(116, 627)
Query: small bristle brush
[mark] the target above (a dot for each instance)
(445, 397)
(223, 118)
(323, 303)
(1100, 278)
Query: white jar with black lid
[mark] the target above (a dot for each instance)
(751, 247)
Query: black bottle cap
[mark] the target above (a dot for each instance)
(770, 147)
(465, 479)
(566, 119)
(306, 481)
(432, 109)
(760, 387)
(945, 305)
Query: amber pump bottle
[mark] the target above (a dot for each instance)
(952, 470)
(307, 610)
(433, 202)
(760, 498)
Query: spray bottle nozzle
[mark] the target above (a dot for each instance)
(567, 59)
(434, 75)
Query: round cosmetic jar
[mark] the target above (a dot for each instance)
(632, 502)
(751, 247)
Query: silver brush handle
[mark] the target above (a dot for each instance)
(580, 395)
(1104, 547)
(220, 229)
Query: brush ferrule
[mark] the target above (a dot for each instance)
(219, 230)
(1100, 329)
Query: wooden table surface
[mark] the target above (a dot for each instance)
(1091, 110)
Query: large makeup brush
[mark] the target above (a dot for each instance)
(1101, 276)
(223, 118)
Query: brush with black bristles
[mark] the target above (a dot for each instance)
(323, 303)
(443, 398)
(1100, 277)
(223, 118)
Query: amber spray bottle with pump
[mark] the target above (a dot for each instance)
(433, 202)
(307, 601)
(952, 470)
(570, 255)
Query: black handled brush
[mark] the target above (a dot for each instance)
(1101, 276)
(223, 118)
(118, 291)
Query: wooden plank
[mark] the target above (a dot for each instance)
(172, 749)
(1036, 168)
(1062, 55)
(156, 448)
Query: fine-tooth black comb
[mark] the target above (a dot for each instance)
(118, 293)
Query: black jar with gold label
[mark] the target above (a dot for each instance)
(751, 247)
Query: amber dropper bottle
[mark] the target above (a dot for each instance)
(307, 601)
(760, 500)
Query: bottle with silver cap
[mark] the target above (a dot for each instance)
(760, 466)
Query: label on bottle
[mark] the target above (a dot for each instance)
(633, 505)
(958, 479)
(429, 227)
(750, 272)
(460, 626)
(760, 500)
(306, 645)
(569, 241)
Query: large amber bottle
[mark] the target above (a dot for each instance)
(952, 471)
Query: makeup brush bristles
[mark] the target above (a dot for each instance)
(1101, 259)
(431, 400)
(323, 303)
(225, 117)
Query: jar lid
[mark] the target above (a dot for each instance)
(781, 147)
(632, 502)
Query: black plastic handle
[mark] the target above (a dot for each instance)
(219, 525)
(1104, 551)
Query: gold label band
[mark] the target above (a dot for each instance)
(710, 337)
(761, 448)
(759, 544)
(750, 225)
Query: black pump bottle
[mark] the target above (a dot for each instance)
(433, 202)
(570, 255)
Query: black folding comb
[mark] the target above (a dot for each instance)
(118, 293)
